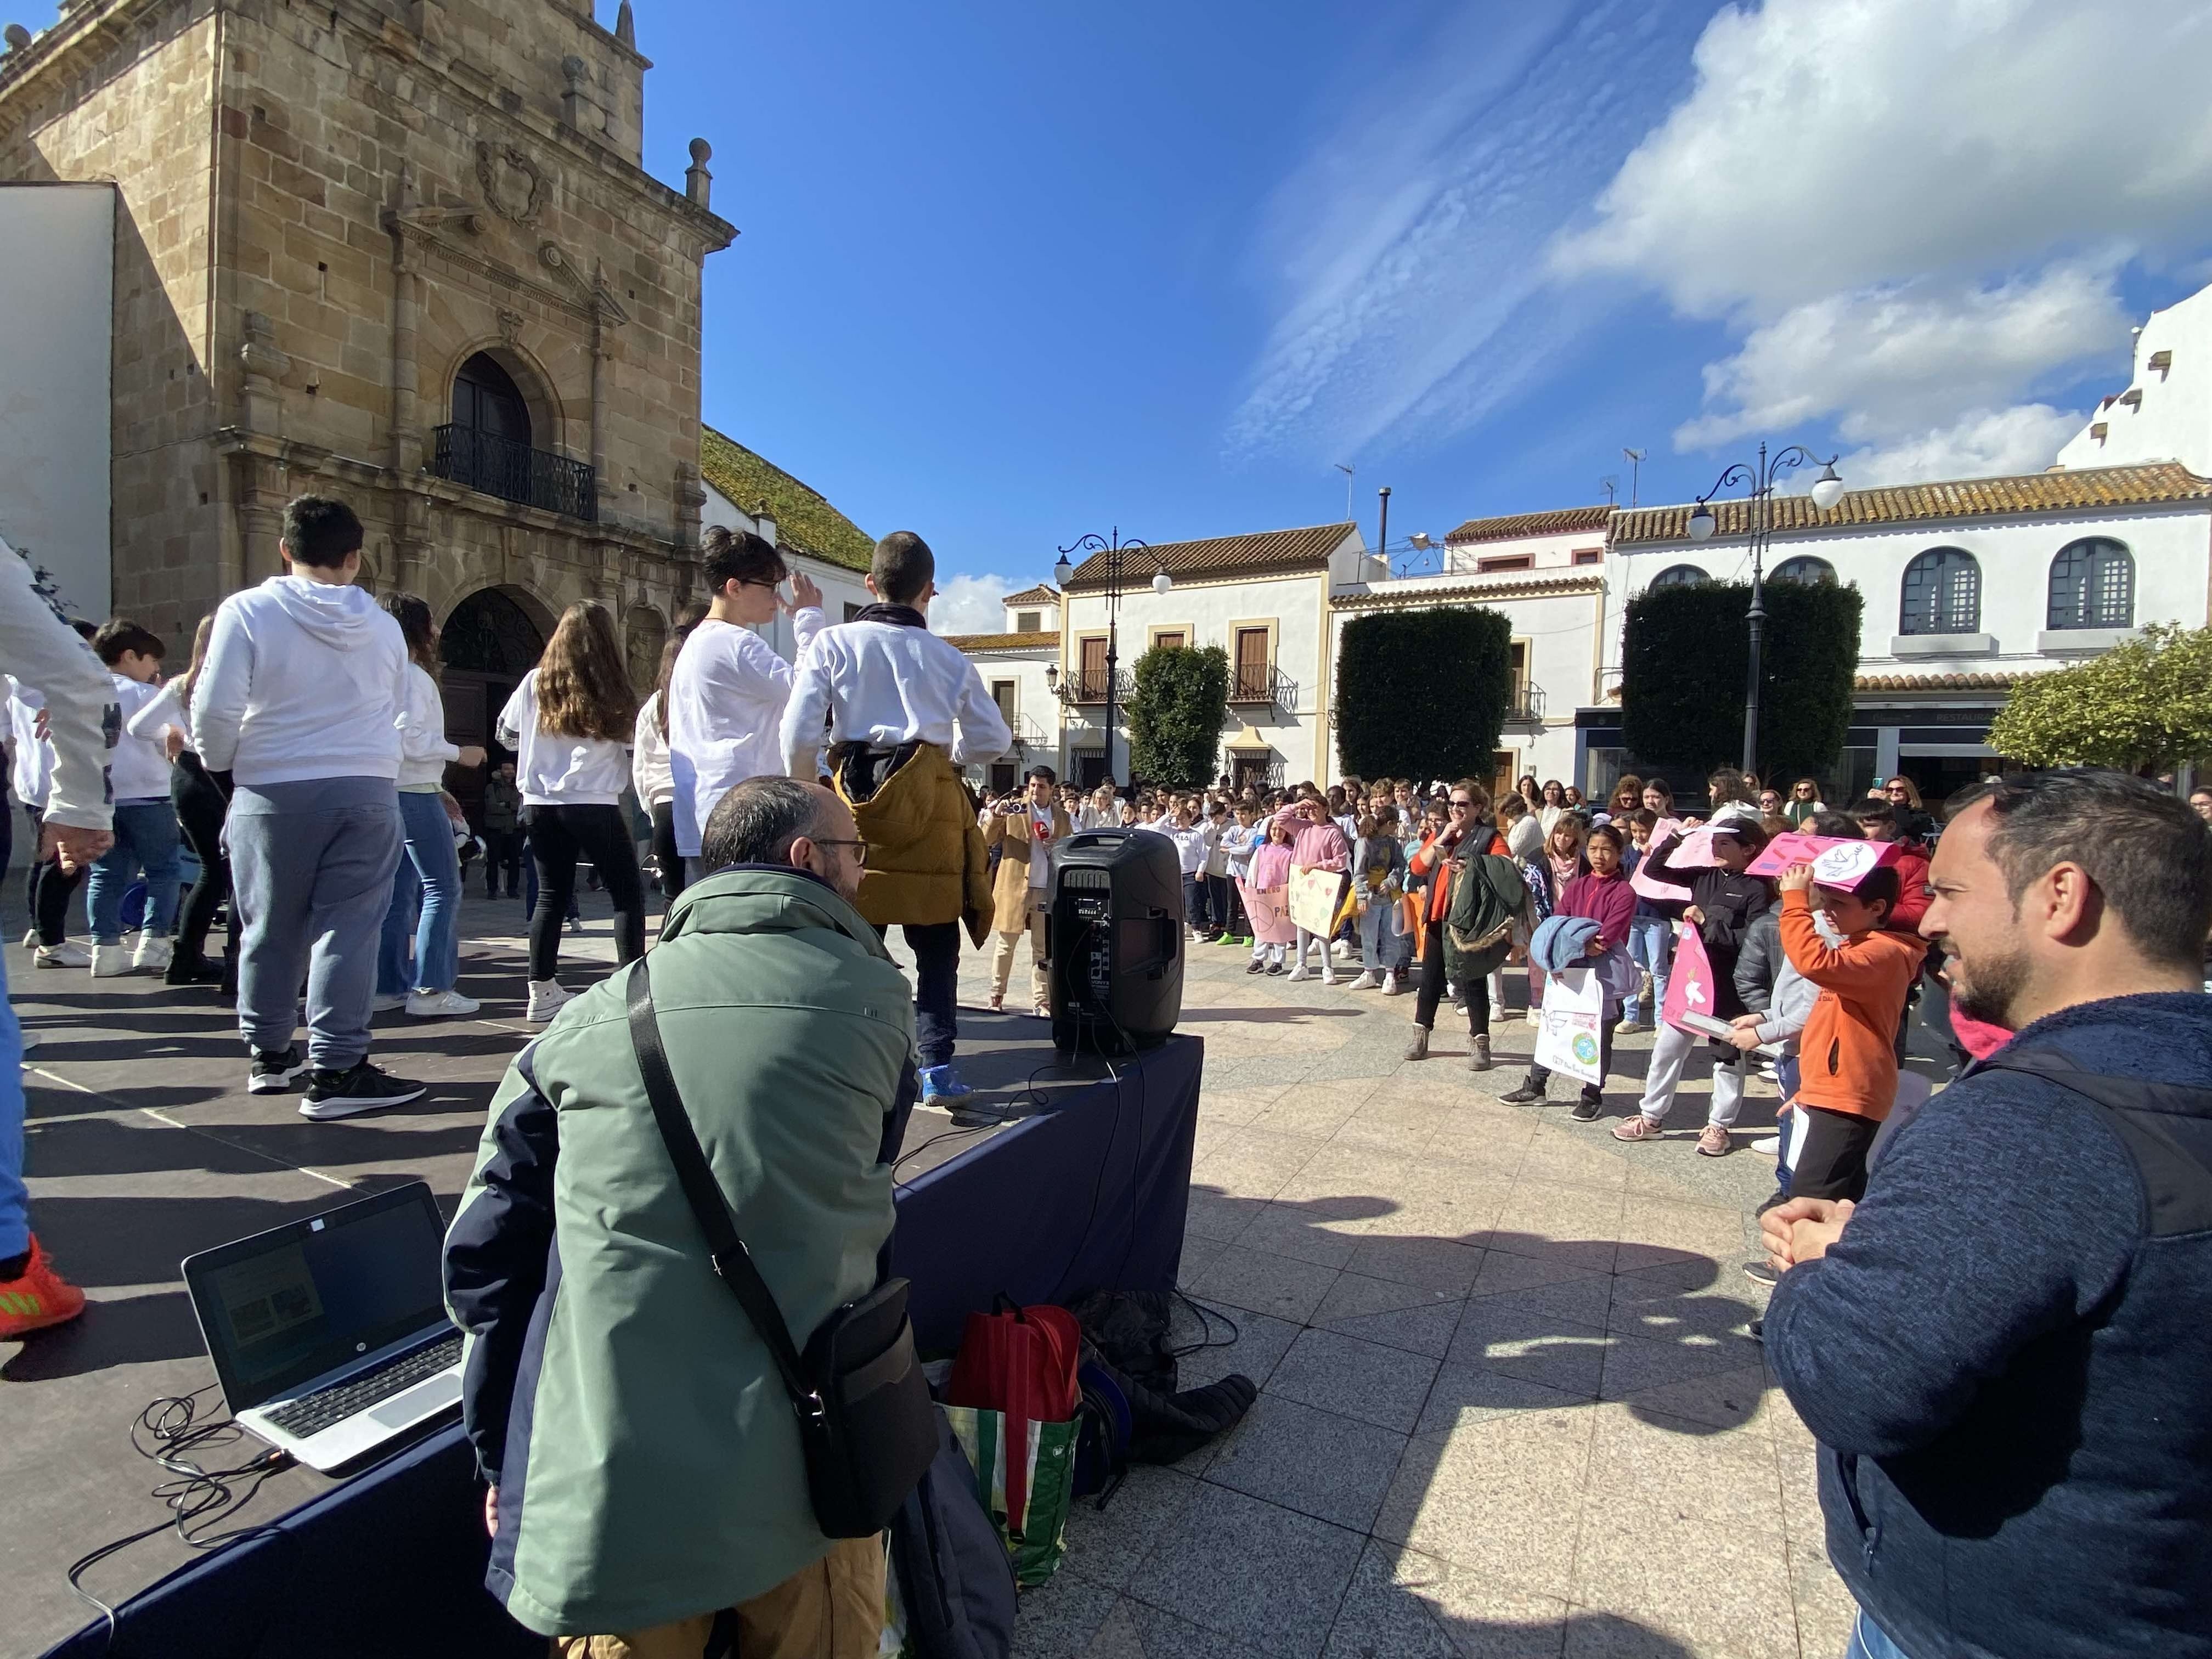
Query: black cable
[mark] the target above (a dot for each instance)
(194, 1496)
(1206, 1317)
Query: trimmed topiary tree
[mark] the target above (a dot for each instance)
(2142, 707)
(1682, 675)
(1422, 694)
(1179, 699)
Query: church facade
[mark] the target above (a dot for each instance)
(400, 252)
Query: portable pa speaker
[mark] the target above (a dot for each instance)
(1116, 932)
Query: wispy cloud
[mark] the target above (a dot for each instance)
(970, 604)
(1406, 253)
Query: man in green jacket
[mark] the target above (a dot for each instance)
(644, 1460)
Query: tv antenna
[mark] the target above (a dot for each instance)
(1635, 459)
(1611, 485)
(1348, 470)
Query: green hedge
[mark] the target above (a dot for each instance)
(1175, 711)
(1683, 662)
(1422, 694)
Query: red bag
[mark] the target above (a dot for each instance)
(1020, 1361)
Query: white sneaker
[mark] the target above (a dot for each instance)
(384, 1005)
(1367, 982)
(439, 1005)
(1770, 1144)
(111, 961)
(30, 939)
(153, 953)
(1536, 1018)
(1299, 972)
(1390, 985)
(1328, 975)
(67, 954)
(546, 999)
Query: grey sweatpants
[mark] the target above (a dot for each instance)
(312, 865)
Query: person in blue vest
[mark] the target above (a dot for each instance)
(2005, 1348)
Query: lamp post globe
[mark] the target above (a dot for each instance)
(1827, 488)
(1701, 524)
(1162, 581)
(1063, 571)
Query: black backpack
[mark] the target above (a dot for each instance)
(955, 1580)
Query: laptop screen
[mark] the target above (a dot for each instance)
(289, 1304)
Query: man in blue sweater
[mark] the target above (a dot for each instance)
(2005, 1349)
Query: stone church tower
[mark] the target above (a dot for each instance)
(404, 253)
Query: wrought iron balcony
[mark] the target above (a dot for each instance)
(1269, 686)
(1028, 734)
(1090, 686)
(515, 472)
(1526, 706)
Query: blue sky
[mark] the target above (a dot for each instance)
(1010, 274)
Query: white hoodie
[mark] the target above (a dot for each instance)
(303, 680)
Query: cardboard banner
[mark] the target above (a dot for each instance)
(1567, 1036)
(1836, 862)
(1315, 896)
(1689, 983)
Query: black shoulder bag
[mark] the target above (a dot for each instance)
(865, 1420)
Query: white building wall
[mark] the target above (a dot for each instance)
(1209, 613)
(2164, 413)
(1036, 714)
(56, 314)
(2171, 548)
(1544, 552)
(841, 588)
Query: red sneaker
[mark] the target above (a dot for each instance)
(39, 1298)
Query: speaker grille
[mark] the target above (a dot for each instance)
(1097, 880)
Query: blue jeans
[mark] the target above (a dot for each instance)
(146, 838)
(14, 1203)
(1869, 1641)
(1382, 949)
(1650, 946)
(429, 873)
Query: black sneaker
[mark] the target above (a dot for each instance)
(1523, 1095)
(274, 1071)
(1257, 967)
(360, 1088)
(1760, 1273)
(1586, 1110)
(192, 970)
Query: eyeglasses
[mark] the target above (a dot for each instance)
(859, 847)
(1462, 801)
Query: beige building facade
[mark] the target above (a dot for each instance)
(400, 252)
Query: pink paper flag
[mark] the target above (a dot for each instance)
(1835, 861)
(1690, 981)
(1666, 893)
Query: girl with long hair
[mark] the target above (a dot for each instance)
(426, 889)
(200, 804)
(652, 775)
(569, 723)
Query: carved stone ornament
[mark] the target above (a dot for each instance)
(513, 186)
(510, 326)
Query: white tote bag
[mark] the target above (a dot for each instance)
(1567, 1038)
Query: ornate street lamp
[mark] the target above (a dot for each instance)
(1760, 474)
(1116, 551)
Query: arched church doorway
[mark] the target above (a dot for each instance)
(490, 642)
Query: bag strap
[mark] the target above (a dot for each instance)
(732, 1262)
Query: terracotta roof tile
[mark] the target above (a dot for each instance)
(2056, 491)
(1269, 552)
(1382, 596)
(1040, 642)
(1042, 593)
(1936, 682)
(1558, 521)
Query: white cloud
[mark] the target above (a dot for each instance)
(1828, 146)
(1881, 359)
(971, 604)
(1981, 444)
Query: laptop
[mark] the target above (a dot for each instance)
(329, 1334)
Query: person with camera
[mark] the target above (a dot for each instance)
(1024, 828)
(666, 1480)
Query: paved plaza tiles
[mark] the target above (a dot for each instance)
(1509, 1402)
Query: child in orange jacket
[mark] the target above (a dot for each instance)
(1847, 1059)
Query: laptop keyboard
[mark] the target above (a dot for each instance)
(312, 1413)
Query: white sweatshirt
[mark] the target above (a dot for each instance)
(725, 708)
(423, 750)
(554, 769)
(885, 684)
(33, 760)
(303, 680)
(41, 650)
(650, 774)
(137, 767)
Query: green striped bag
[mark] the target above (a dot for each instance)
(1037, 1537)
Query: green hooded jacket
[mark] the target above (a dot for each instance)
(645, 1454)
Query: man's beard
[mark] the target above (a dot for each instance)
(1991, 989)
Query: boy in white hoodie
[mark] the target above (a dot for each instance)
(298, 701)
